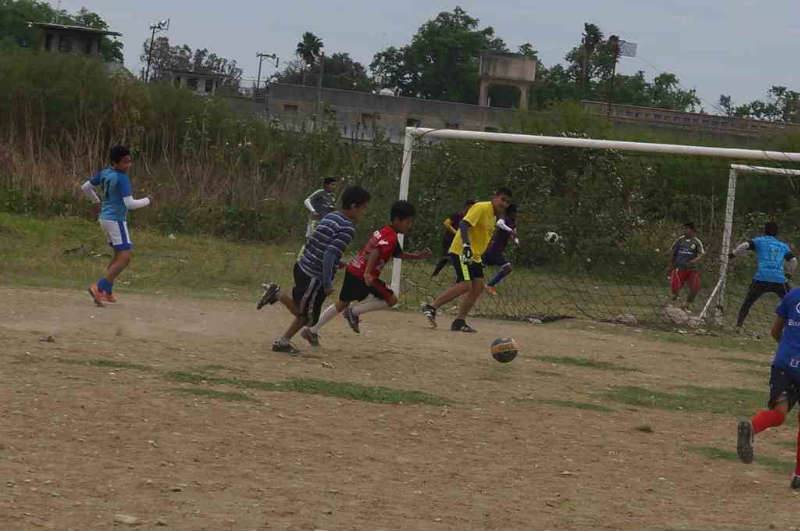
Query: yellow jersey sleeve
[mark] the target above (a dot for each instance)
(482, 222)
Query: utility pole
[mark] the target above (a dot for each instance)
(261, 57)
(613, 42)
(162, 25)
(319, 84)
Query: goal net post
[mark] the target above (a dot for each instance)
(441, 180)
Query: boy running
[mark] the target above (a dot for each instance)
(362, 277)
(770, 277)
(451, 224)
(314, 272)
(469, 245)
(507, 229)
(687, 251)
(117, 200)
(784, 382)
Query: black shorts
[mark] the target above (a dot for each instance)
(466, 272)
(783, 387)
(308, 295)
(496, 259)
(354, 289)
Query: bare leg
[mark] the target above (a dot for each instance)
(286, 300)
(297, 324)
(452, 293)
(118, 264)
(475, 288)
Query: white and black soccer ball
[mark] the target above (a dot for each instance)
(552, 237)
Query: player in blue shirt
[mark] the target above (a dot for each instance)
(784, 382)
(771, 276)
(495, 254)
(117, 200)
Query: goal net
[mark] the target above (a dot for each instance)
(617, 208)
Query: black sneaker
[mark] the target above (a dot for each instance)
(460, 325)
(286, 348)
(352, 319)
(744, 442)
(429, 312)
(311, 337)
(270, 296)
(795, 482)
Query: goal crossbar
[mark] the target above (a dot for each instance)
(414, 133)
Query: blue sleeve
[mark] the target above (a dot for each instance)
(333, 254)
(783, 308)
(96, 179)
(124, 186)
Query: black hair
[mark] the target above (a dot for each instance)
(469, 202)
(329, 180)
(504, 191)
(512, 209)
(771, 228)
(118, 153)
(402, 210)
(689, 225)
(354, 196)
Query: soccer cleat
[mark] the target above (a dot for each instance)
(795, 482)
(352, 319)
(460, 325)
(285, 347)
(97, 295)
(491, 290)
(311, 337)
(109, 297)
(429, 312)
(744, 442)
(270, 296)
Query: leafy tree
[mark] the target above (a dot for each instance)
(782, 105)
(167, 58)
(309, 48)
(16, 32)
(441, 62)
(340, 72)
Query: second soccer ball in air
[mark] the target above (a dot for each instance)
(552, 237)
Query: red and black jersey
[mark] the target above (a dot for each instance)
(385, 241)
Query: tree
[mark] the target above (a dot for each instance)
(166, 59)
(308, 49)
(340, 72)
(782, 105)
(441, 62)
(16, 32)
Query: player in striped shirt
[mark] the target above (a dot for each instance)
(314, 272)
(362, 282)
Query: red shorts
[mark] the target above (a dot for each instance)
(680, 277)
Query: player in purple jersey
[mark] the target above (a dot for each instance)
(495, 255)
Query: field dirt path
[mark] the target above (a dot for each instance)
(93, 427)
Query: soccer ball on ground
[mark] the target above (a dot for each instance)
(552, 237)
(504, 349)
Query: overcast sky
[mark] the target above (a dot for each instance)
(738, 47)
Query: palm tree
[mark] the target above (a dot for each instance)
(308, 49)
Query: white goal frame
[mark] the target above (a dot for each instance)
(416, 133)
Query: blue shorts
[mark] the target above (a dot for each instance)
(495, 259)
(784, 386)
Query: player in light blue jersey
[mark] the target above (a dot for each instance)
(776, 264)
(784, 382)
(117, 200)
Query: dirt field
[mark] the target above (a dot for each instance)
(97, 424)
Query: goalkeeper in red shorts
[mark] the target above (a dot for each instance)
(687, 251)
(362, 281)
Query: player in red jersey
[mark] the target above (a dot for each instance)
(362, 281)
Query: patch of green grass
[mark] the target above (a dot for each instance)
(644, 428)
(723, 400)
(711, 452)
(106, 364)
(215, 368)
(231, 396)
(346, 390)
(743, 361)
(568, 404)
(586, 363)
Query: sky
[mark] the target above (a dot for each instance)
(735, 47)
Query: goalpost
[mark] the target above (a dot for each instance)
(413, 134)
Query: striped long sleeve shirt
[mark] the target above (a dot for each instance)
(325, 247)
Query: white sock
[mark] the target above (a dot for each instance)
(329, 313)
(372, 304)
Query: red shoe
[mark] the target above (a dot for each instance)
(491, 290)
(109, 297)
(97, 295)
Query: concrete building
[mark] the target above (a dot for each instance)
(59, 38)
(507, 69)
(201, 83)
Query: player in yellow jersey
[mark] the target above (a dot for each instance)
(474, 234)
